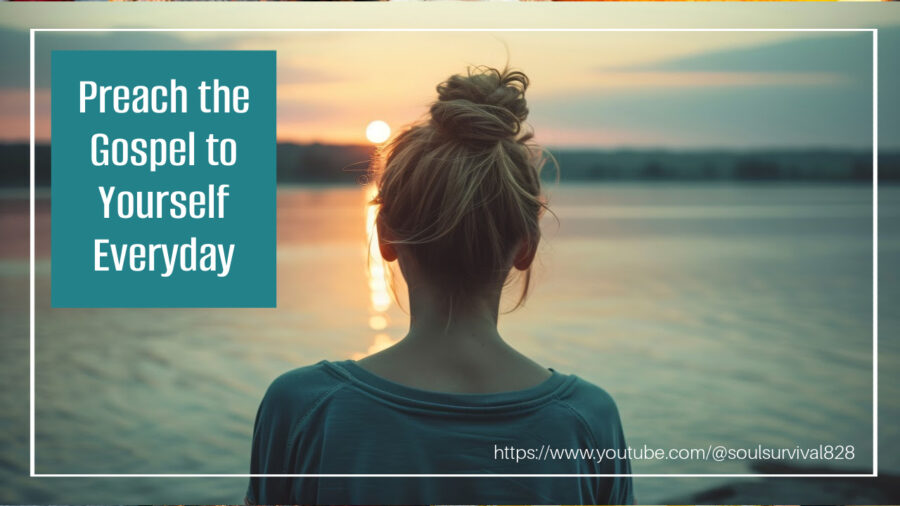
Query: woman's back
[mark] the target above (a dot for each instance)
(458, 209)
(338, 418)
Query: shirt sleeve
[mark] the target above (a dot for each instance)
(622, 490)
(278, 440)
(269, 451)
(602, 417)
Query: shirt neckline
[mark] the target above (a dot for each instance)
(539, 394)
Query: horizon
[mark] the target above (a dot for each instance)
(319, 162)
(601, 149)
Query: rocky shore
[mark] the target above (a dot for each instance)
(882, 490)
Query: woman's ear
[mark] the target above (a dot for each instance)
(388, 251)
(525, 253)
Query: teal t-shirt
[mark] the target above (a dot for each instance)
(338, 418)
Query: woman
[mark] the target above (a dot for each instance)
(459, 206)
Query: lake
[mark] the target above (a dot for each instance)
(733, 314)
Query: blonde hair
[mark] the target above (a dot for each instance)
(460, 191)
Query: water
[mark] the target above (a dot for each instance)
(725, 314)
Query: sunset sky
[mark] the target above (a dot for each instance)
(590, 89)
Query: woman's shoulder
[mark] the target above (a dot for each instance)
(593, 404)
(300, 388)
(586, 392)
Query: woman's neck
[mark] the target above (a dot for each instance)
(436, 317)
(454, 346)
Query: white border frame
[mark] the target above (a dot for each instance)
(873, 31)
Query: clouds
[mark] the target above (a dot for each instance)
(817, 52)
(812, 91)
(723, 117)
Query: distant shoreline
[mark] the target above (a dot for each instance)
(881, 490)
(42, 191)
(330, 164)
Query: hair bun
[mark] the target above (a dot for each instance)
(486, 105)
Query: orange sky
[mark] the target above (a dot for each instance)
(589, 88)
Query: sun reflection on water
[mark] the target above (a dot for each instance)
(379, 297)
(376, 273)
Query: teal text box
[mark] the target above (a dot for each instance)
(197, 278)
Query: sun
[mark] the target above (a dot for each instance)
(378, 131)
